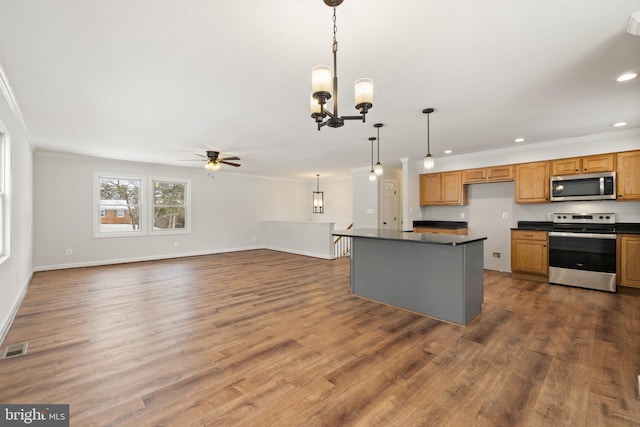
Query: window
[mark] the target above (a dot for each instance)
(4, 204)
(171, 210)
(118, 205)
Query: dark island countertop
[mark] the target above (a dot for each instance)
(434, 239)
(453, 225)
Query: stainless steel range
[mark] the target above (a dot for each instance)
(582, 250)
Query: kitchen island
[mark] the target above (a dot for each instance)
(436, 275)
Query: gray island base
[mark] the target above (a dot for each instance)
(437, 275)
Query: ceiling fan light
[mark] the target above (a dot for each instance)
(429, 162)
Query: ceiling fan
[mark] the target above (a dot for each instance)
(215, 161)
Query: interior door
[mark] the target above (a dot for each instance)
(389, 204)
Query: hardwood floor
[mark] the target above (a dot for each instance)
(264, 338)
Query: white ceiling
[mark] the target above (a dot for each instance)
(158, 81)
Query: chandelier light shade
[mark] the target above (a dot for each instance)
(318, 198)
(372, 174)
(429, 162)
(324, 86)
(377, 169)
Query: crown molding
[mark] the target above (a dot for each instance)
(13, 104)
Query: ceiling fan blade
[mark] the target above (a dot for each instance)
(200, 155)
(231, 158)
(229, 163)
(192, 160)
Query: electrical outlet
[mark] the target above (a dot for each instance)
(69, 252)
(461, 215)
(505, 215)
(176, 244)
(496, 255)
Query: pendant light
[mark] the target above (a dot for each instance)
(324, 86)
(318, 198)
(372, 174)
(429, 162)
(378, 167)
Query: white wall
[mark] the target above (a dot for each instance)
(366, 200)
(227, 212)
(487, 203)
(16, 271)
(338, 202)
(310, 238)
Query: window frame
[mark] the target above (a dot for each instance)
(98, 206)
(152, 206)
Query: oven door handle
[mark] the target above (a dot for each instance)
(582, 235)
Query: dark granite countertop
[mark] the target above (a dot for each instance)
(441, 224)
(383, 234)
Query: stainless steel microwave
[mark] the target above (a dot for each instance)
(588, 186)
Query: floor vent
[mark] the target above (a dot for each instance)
(15, 350)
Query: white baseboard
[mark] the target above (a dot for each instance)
(6, 325)
(139, 259)
(294, 251)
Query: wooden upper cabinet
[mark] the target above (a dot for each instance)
(445, 188)
(628, 175)
(500, 173)
(492, 174)
(430, 189)
(588, 164)
(453, 192)
(471, 176)
(532, 182)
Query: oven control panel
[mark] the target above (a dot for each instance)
(584, 218)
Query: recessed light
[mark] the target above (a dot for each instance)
(448, 151)
(619, 124)
(518, 140)
(626, 77)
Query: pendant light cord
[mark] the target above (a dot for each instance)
(428, 141)
(378, 142)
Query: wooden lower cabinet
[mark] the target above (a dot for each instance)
(435, 230)
(530, 253)
(629, 260)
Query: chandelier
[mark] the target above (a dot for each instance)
(324, 86)
(318, 198)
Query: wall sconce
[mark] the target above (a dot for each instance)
(318, 198)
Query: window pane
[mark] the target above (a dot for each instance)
(168, 193)
(117, 219)
(168, 218)
(120, 189)
(119, 205)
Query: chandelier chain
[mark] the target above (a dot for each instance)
(335, 31)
